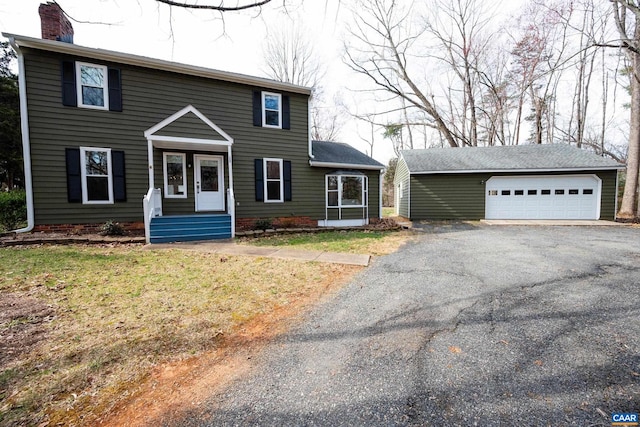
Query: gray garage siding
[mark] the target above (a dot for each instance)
(150, 96)
(462, 196)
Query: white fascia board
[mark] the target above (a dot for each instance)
(313, 163)
(143, 61)
(518, 170)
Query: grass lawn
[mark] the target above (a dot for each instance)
(388, 211)
(83, 326)
(366, 241)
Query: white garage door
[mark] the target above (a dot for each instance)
(543, 197)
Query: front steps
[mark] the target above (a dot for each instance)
(186, 228)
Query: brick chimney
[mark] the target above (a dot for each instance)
(55, 26)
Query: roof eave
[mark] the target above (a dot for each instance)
(317, 164)
(600, 168)
(141, 61)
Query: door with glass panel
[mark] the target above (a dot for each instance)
(209, 182)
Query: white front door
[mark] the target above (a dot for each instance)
(209, 182)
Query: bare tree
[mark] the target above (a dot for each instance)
(289, 56)
(382, 38)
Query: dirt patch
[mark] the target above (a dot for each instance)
(23, 325)
(175, 388)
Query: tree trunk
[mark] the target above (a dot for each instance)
(629, 205)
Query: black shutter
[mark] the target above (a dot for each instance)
(115, 90)
(74, 177)
(286, 115)
(257, 108)
(69, 97)
(259, 180)
(119, 185)
(287, 180)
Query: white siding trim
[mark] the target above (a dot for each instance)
(342, 222)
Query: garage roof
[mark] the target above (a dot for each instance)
(508, 158)
(338, 154)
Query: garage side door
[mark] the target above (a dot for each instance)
(543, 197)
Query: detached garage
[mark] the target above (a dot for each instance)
(554, 181)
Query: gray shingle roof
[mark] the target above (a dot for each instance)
(338, 153)
(546, 157)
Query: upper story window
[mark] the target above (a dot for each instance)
(273, 180)
(92, 88)
(97, 182)
(271, 110)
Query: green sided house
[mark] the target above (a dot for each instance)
(554, 181)
(186, 152)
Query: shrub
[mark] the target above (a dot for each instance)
(263, 224)
(111, 228)
(13, 209)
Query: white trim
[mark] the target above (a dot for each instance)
(150, 133)
(264, 110)
(342, 222)
(264, 178)
(589, 169)
(104, 87)
(156, 64)
(26, 141)
(187, 141)
(313, 163)
(150, 165)
(83, 174)
(380, 189)
(166, 177)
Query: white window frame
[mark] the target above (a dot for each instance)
(105, 87)
(264, 110)
(281, 179)
(364, 195)
(166, 175)
(83, 172)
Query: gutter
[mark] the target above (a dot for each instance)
(543, 170)
(26, 144)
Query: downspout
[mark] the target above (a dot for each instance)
(380, 193)
(26, 144)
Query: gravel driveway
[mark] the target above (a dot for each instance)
(467, 325)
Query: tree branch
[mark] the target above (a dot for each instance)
(220, 8)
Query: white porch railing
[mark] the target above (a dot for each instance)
(231, 210)
(152, 204)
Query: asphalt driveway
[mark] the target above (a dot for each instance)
(467, 325)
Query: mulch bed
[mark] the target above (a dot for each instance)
(40, 238)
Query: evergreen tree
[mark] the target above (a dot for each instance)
(11, 173)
